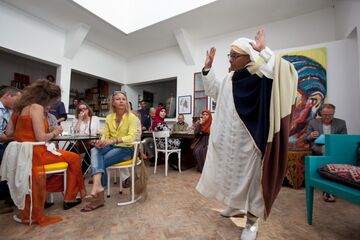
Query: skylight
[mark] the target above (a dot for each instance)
(131, 15)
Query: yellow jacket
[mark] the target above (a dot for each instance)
(126, 131)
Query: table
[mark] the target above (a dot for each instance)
(186, 138)
(76, 138)
(295, 167)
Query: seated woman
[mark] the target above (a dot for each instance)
(159, 124)
(85, 123)
(121, 129)
(31, 125)
(195, 123)
(200, 144)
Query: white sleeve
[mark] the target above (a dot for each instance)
(211, 84)
(268, 67)
(95, 125)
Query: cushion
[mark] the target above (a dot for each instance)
(342, 173)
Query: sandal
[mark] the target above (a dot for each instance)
(92, 206)
(328, 197)
(95, 197)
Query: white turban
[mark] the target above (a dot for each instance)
(242, 46)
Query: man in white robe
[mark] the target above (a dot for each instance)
(249, 130)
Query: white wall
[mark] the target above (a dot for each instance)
(10, 63)
(347, 17)
(316, 27)
(31, 36)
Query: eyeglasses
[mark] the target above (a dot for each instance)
(83, 109)
(235, 56)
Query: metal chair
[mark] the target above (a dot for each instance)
(131, 163)
(165, 135)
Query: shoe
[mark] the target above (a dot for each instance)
(68, 205)
(233, 212)
(328, 197)
(126, 183)
(250, 231)
(48, 204)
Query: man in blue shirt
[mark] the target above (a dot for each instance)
(8, 97)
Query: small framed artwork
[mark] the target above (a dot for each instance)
(184, 104)
(212, 105)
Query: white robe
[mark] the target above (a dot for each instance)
(232, 170)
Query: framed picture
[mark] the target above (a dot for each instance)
(212, 105)
(184, 104)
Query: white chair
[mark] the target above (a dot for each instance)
(126, 164)
(54, 168)
(165, 135)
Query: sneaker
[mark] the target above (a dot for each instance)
(250, 231)
(233, 212)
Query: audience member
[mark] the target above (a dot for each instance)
(195, 123)
(144, 113)
(58, 108)
(121, 129)
(85, 123)
(29, 124)
(74, 104)
(180, 125)
(8, 97)
(159, 124)
(200, 143)
(327, 124)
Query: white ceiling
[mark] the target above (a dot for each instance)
(217, 18)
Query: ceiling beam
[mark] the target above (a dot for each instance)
(74, 39)
(185, 46)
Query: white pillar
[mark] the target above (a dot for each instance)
(63, 78)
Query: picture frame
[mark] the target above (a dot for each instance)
(212, 105)
(184, 104)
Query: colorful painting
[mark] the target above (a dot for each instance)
(312, 90)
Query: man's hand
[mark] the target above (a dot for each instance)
(260, 42)
(314, 134)
(210, 54)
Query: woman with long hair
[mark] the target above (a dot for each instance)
(121, 129)
(30, 122)
(200, 143)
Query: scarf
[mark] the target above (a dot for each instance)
(157, 118)
(205, 126)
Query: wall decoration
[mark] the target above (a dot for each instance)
(312, 90)
(184, 104)
(212, 105)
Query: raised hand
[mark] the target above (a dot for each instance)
(210, 54)
(260, 42)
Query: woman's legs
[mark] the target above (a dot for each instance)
(75, 181)
(102, 158)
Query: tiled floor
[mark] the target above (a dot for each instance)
(174, 210)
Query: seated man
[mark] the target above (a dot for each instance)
(8, 97)
(180, 125)
(327, 124)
